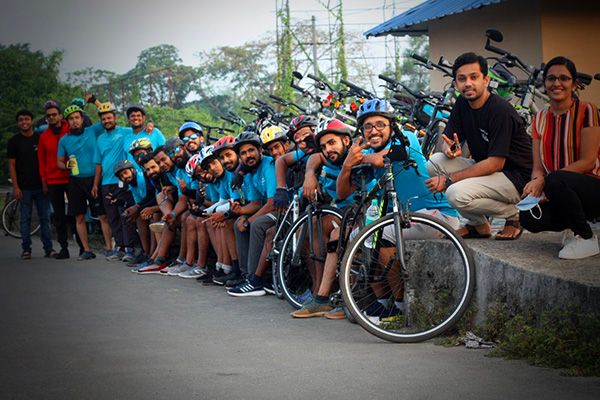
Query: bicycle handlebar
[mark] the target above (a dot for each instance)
(357, 89)
(420, 58)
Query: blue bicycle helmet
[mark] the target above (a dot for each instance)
(190, 125)
(375, 107)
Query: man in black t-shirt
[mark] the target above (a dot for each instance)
(489, 184)
(27, 186)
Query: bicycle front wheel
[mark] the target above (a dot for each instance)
(11, 219)
(412, 304)
(298, 263)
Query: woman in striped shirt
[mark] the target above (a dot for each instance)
(566, 164)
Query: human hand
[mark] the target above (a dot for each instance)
(534, 187)
(454, 149)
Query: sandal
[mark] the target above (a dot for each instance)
(503, 235)
(26, 255)
(472, 233)
(50, 254)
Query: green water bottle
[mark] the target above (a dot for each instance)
(73, 164)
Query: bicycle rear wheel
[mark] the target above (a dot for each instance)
(11, 219)
(412, 305)
(296, 268)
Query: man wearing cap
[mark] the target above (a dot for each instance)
(191, 135)
(108, 152)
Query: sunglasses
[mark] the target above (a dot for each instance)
(193, 136)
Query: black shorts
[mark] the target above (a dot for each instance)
(80, 196)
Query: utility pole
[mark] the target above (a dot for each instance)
(314, 49)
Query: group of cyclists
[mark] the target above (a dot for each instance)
(222, 201)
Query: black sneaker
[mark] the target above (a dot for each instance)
(87, 255)
(62, 254)
(205, 278)
(223, 278)
(246, 289)
(231, 283)
(268, 287)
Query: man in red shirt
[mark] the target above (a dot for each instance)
(54, 180)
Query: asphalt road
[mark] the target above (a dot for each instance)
(94, 330)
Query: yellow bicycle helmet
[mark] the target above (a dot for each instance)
(271, 134)
(106, 108)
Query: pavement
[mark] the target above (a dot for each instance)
(94, 330)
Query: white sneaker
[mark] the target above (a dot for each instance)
(567, 236)
(579, 248)
(176, 269)
(193, 273)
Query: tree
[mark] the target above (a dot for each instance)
(27, 80)
(414, 76)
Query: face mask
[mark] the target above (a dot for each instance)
(528, 204)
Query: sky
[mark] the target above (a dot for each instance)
(110, 34)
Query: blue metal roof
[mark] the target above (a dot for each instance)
(414, 20)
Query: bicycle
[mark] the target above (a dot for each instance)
(296, 259)
(417, 298)
(11, 217)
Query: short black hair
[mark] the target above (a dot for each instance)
(470, 58)
(561, 60)
(146, 158)
(159, 149)
(23, 112)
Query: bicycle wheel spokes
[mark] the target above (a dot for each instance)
(297, 269)
(414, 304)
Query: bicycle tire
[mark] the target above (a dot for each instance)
(294, 279)
(435, 296)
(11, 219)
(433, 143)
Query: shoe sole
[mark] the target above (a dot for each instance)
(148, 272)
(335, 316)
(269, 291)
(248, 294)
(318, 314)
(190, 277)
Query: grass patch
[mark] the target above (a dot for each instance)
(567, 339)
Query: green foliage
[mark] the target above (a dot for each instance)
(565, 339)
(409, 72)
(285, 66)
(168, 119)
(341, 50)
(27, 80)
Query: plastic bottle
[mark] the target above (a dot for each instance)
(371, 215)
(74, 165)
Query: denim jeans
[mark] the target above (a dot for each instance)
(42, 204)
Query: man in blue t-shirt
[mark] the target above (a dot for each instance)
(74, 153)
(381, 135)
(334, 140)
(260, 182)
(136, 115)
(109, 151)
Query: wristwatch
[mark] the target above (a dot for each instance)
(246, 224)
(448, 181)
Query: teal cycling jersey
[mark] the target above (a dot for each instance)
(82, 147)
(139, 189)
(109, 151)
(262, 182)
(328, 181)
(156, 137)
(212, 192)
(410, 183)
(179, 174)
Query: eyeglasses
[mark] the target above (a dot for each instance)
(562, 78)
(379, 125)
(175, 151)
(193, 136)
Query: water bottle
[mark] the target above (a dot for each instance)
(74, 165)
(371, 215)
